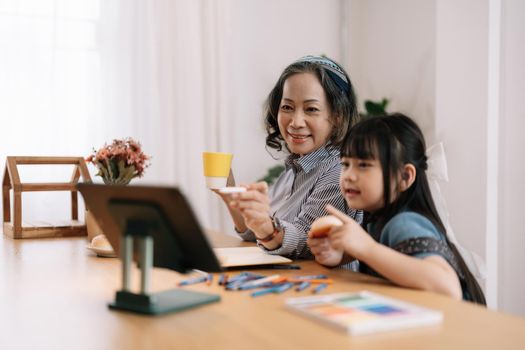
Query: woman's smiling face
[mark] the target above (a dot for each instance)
(304, 114)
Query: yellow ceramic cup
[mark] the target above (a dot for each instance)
(216, 168)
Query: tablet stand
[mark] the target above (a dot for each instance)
(157, 303)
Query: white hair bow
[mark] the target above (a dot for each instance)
(437, 171)
(437, 163)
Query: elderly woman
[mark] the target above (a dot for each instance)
(308, 113)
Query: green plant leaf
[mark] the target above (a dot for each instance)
(374, 108)
(272, 174)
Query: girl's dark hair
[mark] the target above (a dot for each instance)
(396, 140)
(343, 104)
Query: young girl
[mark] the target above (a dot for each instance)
(383, 173)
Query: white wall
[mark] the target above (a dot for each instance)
(461, 113)
(392, 54)
(512, 156)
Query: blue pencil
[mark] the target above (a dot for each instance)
(193, 281)
(284, 287)
(264, 285)
(264, 291)
(239, 282)
(303, 286)
(222, 278)
(244, 276)
(310, 277)
(277, 289)
(319, 288)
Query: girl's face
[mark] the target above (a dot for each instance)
(304, 114)
(361, 183)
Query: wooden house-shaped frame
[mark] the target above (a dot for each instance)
(13, 225)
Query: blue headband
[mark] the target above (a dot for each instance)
(334, 71)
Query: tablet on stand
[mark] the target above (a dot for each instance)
(153, 226)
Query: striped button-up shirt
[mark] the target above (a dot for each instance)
(300, 195)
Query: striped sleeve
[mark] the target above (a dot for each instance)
(326, 191)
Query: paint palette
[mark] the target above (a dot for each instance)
(364, 312)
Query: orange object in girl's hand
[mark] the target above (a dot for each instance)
(323, 225)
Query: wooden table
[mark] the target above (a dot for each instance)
(54, 295)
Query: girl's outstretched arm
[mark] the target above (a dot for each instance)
(431, 273)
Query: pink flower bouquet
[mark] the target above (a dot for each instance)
(119, 162)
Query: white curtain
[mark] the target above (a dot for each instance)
(49, 85)
(164, 65)
(154, 70)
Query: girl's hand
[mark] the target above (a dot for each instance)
(323, 251)
(254, 206)
(350, 237)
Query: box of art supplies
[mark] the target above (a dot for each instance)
(364, 312)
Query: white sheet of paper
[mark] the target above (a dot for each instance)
(246, 256)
